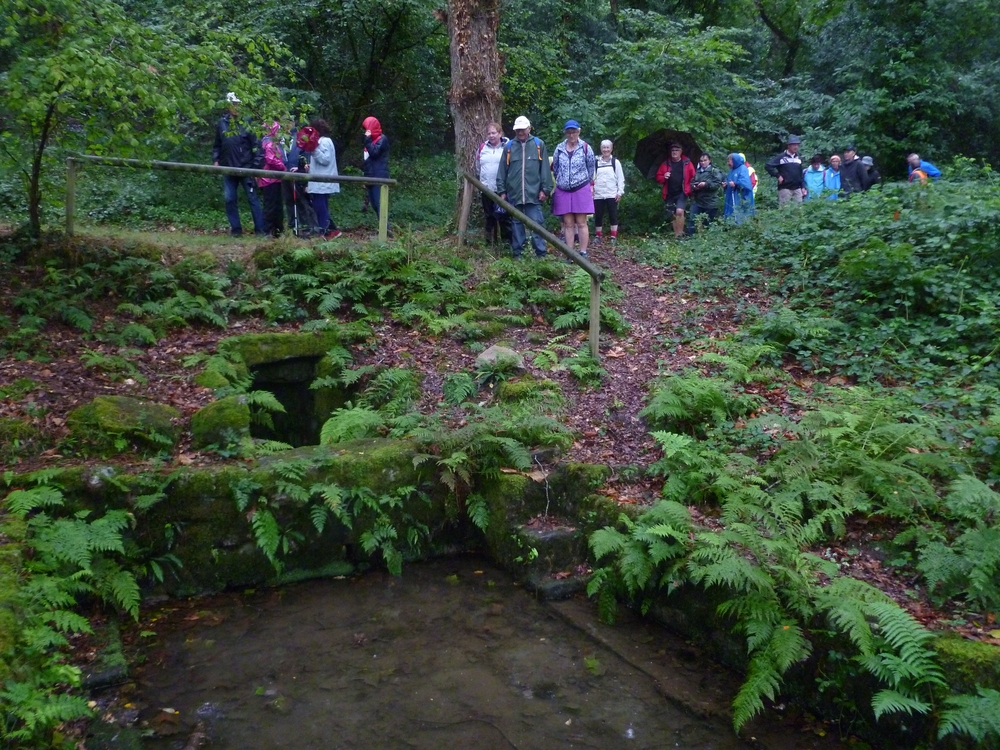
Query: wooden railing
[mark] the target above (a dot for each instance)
(108, 161)
(469, 186)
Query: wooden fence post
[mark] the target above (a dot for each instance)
(463, 219)
(383, 214)
(595, 318)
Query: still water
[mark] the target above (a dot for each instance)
(451, 655)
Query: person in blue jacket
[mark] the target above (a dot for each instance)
(739, 190)
(913, 161)
(812, 177)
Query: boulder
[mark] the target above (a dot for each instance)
(108, 420)
(221, 423)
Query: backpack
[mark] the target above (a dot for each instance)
(307, 139)
(510, 143)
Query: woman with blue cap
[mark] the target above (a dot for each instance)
(574, 166)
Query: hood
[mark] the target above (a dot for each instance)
(738, 160)
(374, 126)
(273, 130)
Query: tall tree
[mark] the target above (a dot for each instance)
(84, 74)
(474, 97)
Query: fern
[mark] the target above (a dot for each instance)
(478, 511)
(351, 423)
(458, 387)
(267, 533)
(975, 716)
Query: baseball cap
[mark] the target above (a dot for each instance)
(232, 98)
(793, 140)
(521, 123)
(571, 124)
(850, 148)
(867, 161)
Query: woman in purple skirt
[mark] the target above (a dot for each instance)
(574, 166)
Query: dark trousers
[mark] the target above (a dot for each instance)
(375, 199)
(495, 225)
(230, 190)
(709, 215)
(609, 204)
(274, 222)
(321, 205)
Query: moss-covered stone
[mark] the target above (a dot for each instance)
(527, 388)
(223, 422)
(968, 663)
(19, 439)
(211, 379)
(106, 419)
(257, 348)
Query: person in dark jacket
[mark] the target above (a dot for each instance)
(376, 159)
(705, 186)
(874, 178)
(787, 168)
(237, 146)
(853, 175)
(524, 178)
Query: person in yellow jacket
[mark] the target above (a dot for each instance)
(753, 175)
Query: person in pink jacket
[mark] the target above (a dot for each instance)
(274, 159)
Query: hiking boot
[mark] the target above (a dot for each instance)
(596, 240)
(332, 234)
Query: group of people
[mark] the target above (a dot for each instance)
(579, 181)
(292, 149)
(691, 194)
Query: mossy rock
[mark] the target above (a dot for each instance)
(101, 423)
(17, 439)
(211, 379)
(257, 348)
(223, 422)
(527, 389)
(967, 664)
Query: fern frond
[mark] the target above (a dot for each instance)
(892, 701)
(351, 423)
(976, 716)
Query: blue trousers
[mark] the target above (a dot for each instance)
(230, 191)
(517, 232)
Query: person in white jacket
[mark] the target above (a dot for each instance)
(497, 221)
(609, 187)
(323, 163)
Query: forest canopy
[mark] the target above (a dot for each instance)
(893, 77)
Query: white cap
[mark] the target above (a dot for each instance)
(521, 123)
(232, 98)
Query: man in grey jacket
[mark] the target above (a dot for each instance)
(525, 179)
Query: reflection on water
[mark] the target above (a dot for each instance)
(451, 655)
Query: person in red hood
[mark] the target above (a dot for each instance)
(675, 174)
(376, 158)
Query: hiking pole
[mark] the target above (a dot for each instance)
(295, 209)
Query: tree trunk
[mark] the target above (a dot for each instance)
(474, 98)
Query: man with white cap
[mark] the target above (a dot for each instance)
(525, 180)
(237, 146)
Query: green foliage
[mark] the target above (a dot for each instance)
(693, 403)
(574, 303)
(85, 72)
(69, 557)
(976, 717)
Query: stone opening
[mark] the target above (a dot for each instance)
(306, 409)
